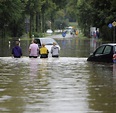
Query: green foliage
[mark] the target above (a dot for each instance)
(10, 12)
(36, 34)
(97, 13)
(61, 23)
(106, 33)
(58, 12)
(71, 10)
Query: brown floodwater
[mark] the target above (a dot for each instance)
(68, 84)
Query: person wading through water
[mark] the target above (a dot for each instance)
(17, 51)
(43, 52)
(33, 50)
(55, 50)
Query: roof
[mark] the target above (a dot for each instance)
(112, 44)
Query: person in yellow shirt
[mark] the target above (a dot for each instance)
(76, 32)
(43, 52)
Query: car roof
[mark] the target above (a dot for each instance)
(46, 39)
(111, 44)
(49, 40)
(43, 38)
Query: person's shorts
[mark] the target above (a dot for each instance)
(55, 56)
(33, 56)
(17, 56)
(44, 56)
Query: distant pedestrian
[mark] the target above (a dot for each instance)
(33, 49)
(64, 33)
(76, 32)
(16, 50)
(55, 50)
(97, 34)
(43, 52)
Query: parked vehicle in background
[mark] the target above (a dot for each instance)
(103, 53)
(47, 41)
(49, 31)
(70, 30)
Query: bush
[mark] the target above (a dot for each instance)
(36, 34)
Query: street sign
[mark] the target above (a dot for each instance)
(110, 25)
(114, 23)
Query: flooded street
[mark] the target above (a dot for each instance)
(68, 84)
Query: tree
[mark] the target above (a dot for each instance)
(96, 13)
(10, 12)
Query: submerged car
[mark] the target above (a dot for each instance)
(103, 53)
(47, 41)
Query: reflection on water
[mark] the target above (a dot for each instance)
(43, 85)
(114, 70)
(56, 85)
(102, 88)
(73, 47)
(70, 47)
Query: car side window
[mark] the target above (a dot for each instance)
(99, 51)
(107, 50)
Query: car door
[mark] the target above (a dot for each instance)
(108, 54)
(104, 53)
(97, 55)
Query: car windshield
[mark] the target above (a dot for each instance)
(100, 50)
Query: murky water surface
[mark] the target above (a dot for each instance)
(68, 84)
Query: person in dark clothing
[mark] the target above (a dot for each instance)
(17, 51)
